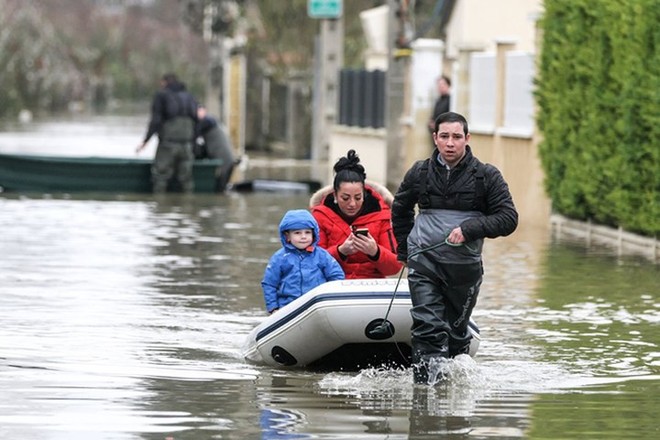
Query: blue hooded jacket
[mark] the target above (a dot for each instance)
(291, 272)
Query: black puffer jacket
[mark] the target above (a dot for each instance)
(172, 101)
(457, 189)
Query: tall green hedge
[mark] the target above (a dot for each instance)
(598, 92)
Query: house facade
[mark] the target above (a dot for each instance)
(489, 53)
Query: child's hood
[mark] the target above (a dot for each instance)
(299, 219)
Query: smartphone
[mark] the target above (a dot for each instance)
(363, 232)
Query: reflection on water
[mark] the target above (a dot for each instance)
(113, 136)
(123, 317)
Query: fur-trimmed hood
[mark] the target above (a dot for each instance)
(318, 196)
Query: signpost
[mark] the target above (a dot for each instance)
(329, 58)
(324, 8)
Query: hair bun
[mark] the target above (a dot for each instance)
(348, 169)
(350, 162)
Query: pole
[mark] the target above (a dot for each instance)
(328, 62)
(396, 100)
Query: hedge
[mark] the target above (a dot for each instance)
(598, 93)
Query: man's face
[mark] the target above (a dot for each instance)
(443, 87)
(451, 141)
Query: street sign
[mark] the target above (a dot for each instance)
(324, 8)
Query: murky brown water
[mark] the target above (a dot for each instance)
(123, 317)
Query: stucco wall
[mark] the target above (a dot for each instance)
(518, 161)
(370, 144)
(478, 23)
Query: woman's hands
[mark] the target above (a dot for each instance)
(359, 243)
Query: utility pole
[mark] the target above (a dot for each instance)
(214, 43)
(329, 59)
(396, 89)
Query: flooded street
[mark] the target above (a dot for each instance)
(124, 317)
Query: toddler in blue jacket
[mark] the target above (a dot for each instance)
(300, 265)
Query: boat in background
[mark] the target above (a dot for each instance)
(277, 186)
(338, 326)
(33, 173)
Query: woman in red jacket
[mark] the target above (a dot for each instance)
(355, 222)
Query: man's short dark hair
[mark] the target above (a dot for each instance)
(451, 117)
(170, 78)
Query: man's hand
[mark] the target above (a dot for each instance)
(456, 236)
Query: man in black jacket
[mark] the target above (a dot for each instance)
(443, 84)
(173, 118)
(461, 201)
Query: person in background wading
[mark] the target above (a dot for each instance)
(212, 142)
(173, 119)
(355, 222)
(461, 201)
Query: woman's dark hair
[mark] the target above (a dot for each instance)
(348, 169)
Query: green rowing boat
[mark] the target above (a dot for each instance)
(28, 173)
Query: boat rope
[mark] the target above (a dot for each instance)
(383, 326)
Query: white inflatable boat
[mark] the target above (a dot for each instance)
(339, 326)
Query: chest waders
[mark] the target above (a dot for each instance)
(384, 330)
(443, 298)
(174, 156)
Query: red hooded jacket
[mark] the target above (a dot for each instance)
(375, 216)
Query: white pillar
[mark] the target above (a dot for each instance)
(425, 70)
(426, 67)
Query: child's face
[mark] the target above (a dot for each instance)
(300, 238)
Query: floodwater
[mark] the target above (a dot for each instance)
(124, 317)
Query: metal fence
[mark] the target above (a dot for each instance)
(362, 98)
